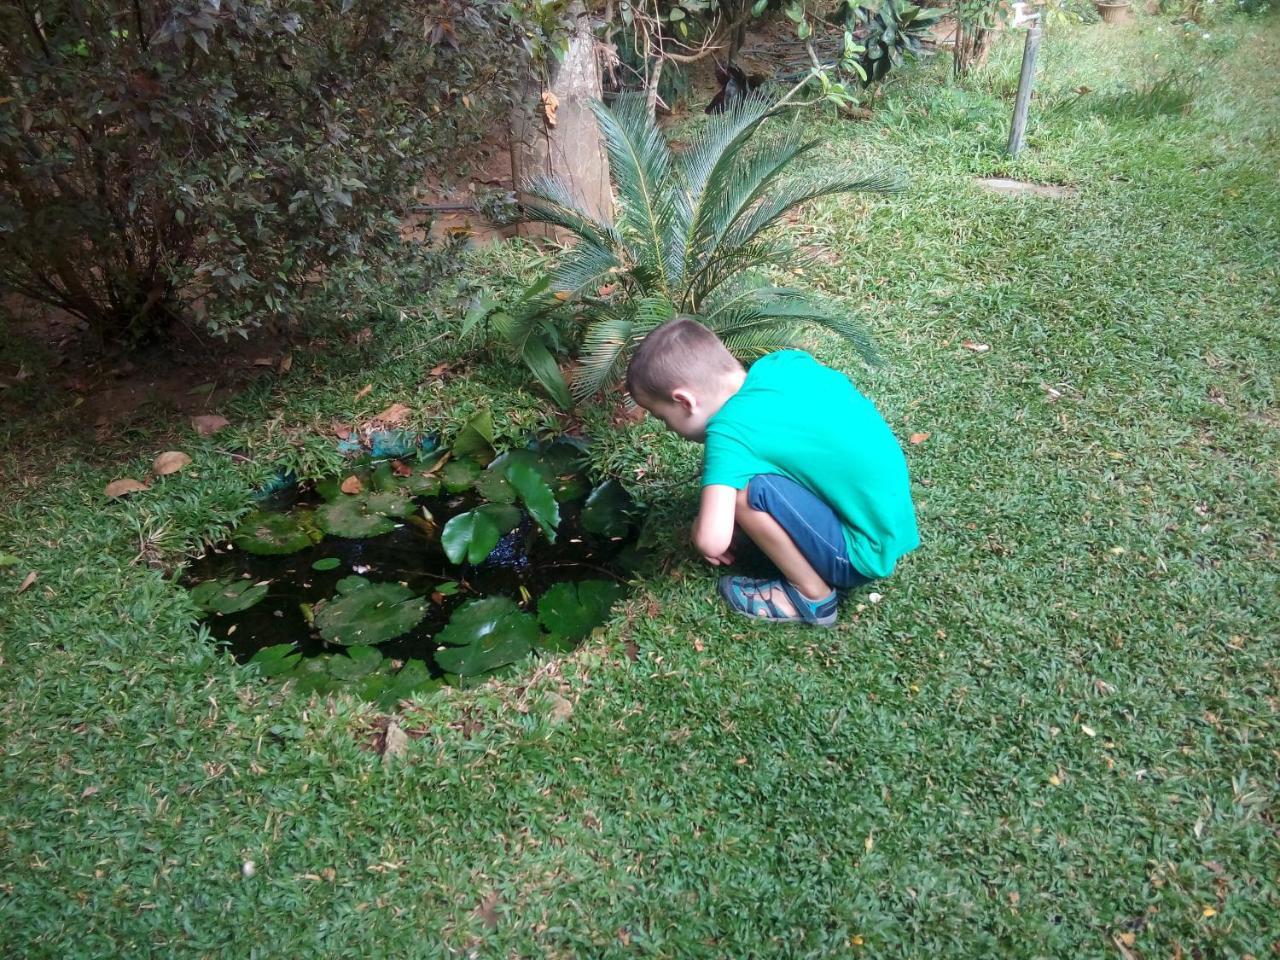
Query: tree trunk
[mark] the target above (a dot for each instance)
(972, 46)
(553, 130)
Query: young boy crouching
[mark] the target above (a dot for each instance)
(796, 459)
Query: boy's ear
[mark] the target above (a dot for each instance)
(685, 398)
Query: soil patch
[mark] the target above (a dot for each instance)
(1020, 188)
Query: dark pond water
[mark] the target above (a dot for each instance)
(411, 555)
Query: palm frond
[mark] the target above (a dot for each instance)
(802, 190)
(610, 342)
(764, 311)
(640, 166)
(550, 200)
(705, 164)
(733, 264)
(584, 268)
(742, 186)
(749, 345)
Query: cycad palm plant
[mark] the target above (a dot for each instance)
(693, 234)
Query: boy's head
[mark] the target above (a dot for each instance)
(682, 374)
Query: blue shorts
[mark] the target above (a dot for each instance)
(811, 524)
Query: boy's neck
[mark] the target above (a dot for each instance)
(724, 388)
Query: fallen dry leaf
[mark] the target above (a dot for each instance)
(352, 485)
(608, 290)
(440, 369)
(264, 362)
(550, 102)
(394, 742)
(28, 580)
(209, 423)
(975, 346)
(364, 391)
(89, 792)
(171, 461)
(401, 469)
(286, 363)
(918, 438)
(487, 911)
(124, 486)
(560, 709)
(394, 414)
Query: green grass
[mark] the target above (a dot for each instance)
(1098, 498)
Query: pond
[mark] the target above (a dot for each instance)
(403, 575)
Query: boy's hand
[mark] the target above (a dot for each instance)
(724, 559)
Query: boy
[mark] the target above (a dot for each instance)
(796, 458)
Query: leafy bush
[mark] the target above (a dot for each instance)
(889, 34)
(694, 234)
(210, 159)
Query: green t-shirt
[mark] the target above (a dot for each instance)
(799, 419)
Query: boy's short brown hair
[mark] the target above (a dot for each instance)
(680, 353)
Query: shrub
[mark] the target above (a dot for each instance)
(210, 159)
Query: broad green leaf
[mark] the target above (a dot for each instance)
(536, 496)
(277, 660)
(459, 475)
(474, 619)
(351, 583)
(540, 361)
(227, 596)
(370, 615)
(572, 610)
(485, 634)
(475, 439)
(326, 563)
(270, 534)
(607, 511)
(364, 515)
(360, 661)
(469, 537)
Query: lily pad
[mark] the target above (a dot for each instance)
(484, 635)
(567, 464)
(493, 484)
(370, 615)
(572, 610)
(360, 661)
(277, 660)
(227, 596)
(330, 488)
(459, 475)
(421, 484)
(353, 582)
(312, 676)
(475, 439)
(412, 678)
(607, 511)
(327, 563)
(471, 536)
(384, 479)
(269, 534)
(536, 496)
(366, 515)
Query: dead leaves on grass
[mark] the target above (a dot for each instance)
(169, 462)
(123, 487)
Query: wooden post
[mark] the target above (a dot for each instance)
(553, 130)
(1025, 82)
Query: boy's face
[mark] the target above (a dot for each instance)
(681, 413)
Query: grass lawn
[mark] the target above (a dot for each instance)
(1057, 734)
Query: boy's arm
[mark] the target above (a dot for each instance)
(713, 530)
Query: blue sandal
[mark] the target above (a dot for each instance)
(750, 597)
